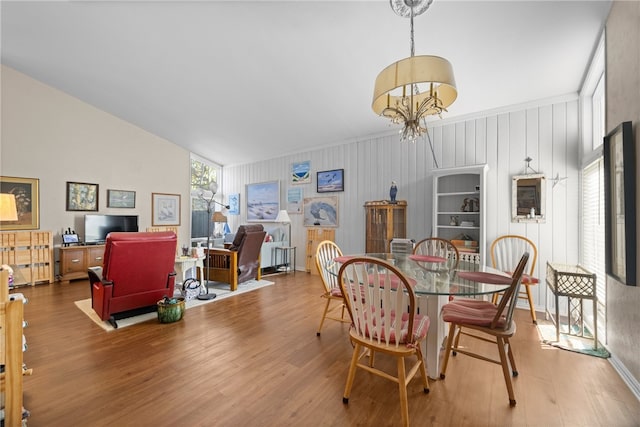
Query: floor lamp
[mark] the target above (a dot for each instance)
(207, 196)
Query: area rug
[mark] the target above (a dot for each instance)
(220, 289)
(577, 344)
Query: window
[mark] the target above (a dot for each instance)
(592, 227)
(203, 173)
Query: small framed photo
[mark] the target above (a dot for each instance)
(234, 204)
(82, 196)
(301, 172)
(165, 209)
(330, 181)
(121, 199)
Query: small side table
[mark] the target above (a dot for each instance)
(577, 284)
(285, 256)
(184, 264)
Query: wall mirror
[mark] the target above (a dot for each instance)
(528, 198)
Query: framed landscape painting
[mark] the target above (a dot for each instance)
(27, 194)
(165, 209)
(301, 172)
(82, 196)
(121, 199)
(330, 181)
(263, 201)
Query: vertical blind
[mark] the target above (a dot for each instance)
(593, 238)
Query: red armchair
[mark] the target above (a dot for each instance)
(138, 271)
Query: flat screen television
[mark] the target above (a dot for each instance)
(96, 227)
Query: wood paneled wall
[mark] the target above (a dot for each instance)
(546, 131)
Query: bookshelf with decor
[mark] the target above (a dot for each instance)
(459, 209)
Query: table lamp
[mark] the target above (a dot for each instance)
(8, 210)
(283, 218)
(218, 217)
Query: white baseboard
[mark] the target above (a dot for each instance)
(626, 376)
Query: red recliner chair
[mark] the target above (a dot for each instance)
(138, 271)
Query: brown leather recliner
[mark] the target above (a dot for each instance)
(241, 261)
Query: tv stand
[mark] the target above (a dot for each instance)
(76, 260)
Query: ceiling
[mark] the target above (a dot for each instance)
(237, 82)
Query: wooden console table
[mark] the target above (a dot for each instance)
(76, 260)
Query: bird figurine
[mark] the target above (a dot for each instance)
(393, 191)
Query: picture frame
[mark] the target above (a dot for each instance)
(82, 196)
(121, 199)
(330, 181)
(234, 204)
(263, 201)
(165, 209)
(301, 172)
(321, 211)
(295, 199)
(27, 193)
(620, 204)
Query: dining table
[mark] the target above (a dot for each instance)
(437, 281)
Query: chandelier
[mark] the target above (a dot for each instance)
(413, 88)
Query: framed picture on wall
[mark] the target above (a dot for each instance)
(330, 181)
(620, 204)
(234, 204)
(121, 199)
(321, 211)
(301, 172)
(27, 198)
(165, 209)
(263, 201)
(294, 200)
(82, 196)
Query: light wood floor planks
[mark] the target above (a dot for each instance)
(255, 360)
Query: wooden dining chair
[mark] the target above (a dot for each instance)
(440, 248)
(326, 252)
(505, 253)
(487, 322)
(382, 306)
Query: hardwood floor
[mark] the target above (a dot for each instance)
(254, 360)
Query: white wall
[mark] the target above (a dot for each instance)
(52, 136)
(547, 131)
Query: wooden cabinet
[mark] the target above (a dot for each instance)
(11, 348)
(30, 252)
(76, 260)
(314, 237)
(459, 209)
(384, 221)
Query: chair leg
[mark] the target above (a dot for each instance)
(423, 369)
(532, 306)
(457, 342)
(445, 360)
(512, 360)
(324, 315)
(352, 373)
(505, 370)
(402, 387)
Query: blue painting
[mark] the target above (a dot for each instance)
(321, 211)
(301, 172)
(263, 201)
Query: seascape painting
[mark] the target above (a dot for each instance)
(263, 201)
(321, 211)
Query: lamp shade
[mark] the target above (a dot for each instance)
(8, 210)
(283, 217)
(218, 217)
(422, 70)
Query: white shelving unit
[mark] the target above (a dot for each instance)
(459, 196)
